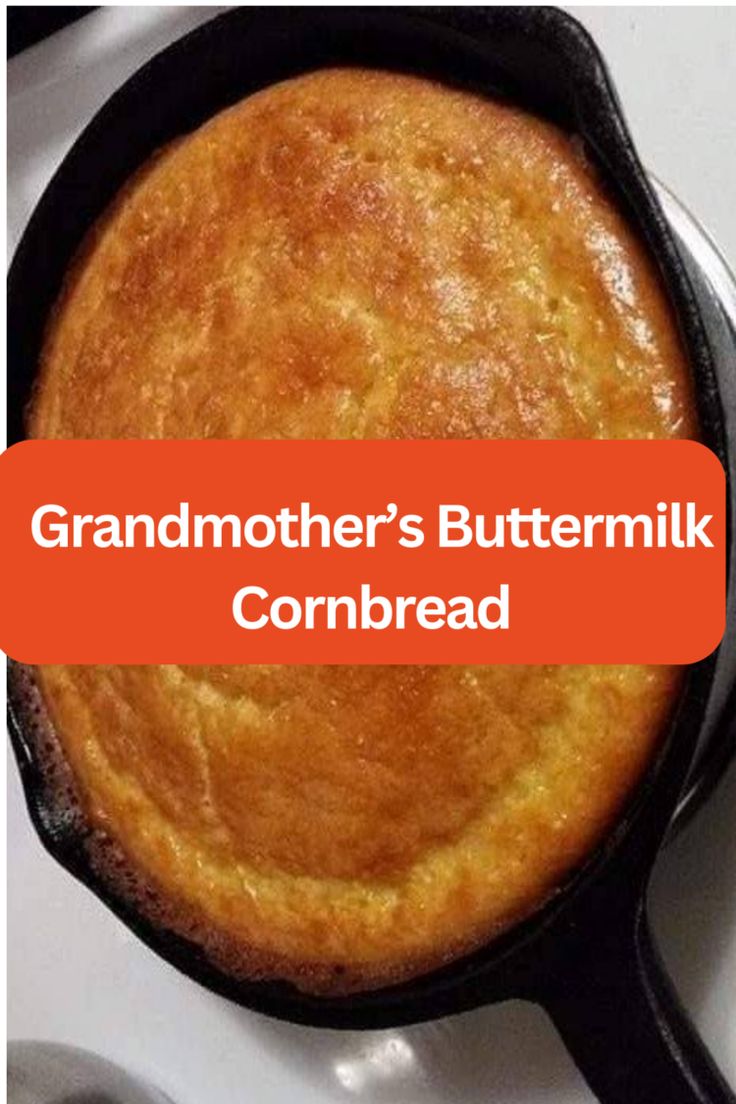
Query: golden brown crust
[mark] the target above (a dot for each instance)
(358, 254)
(467, 277)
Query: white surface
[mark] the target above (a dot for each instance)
(75, 974)
(675, 71)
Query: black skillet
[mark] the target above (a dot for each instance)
(587, 956)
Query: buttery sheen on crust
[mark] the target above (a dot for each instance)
(358, 254)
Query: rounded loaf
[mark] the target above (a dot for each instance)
(358, 254)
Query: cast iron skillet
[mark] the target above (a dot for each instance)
(587, 956)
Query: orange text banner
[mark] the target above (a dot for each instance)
(362, 551)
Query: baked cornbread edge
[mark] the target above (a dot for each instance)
(101, 862)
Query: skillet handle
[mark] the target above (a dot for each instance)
(620, 1018)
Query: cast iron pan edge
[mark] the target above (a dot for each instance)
(587, 956)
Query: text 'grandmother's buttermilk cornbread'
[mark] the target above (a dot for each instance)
(357, 254)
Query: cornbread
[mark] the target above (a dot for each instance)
(357, 254)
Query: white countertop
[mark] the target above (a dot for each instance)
(76, 975)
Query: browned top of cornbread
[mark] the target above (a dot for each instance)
(359, 254)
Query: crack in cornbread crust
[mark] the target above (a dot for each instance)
(582, 746)
(359, 254)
